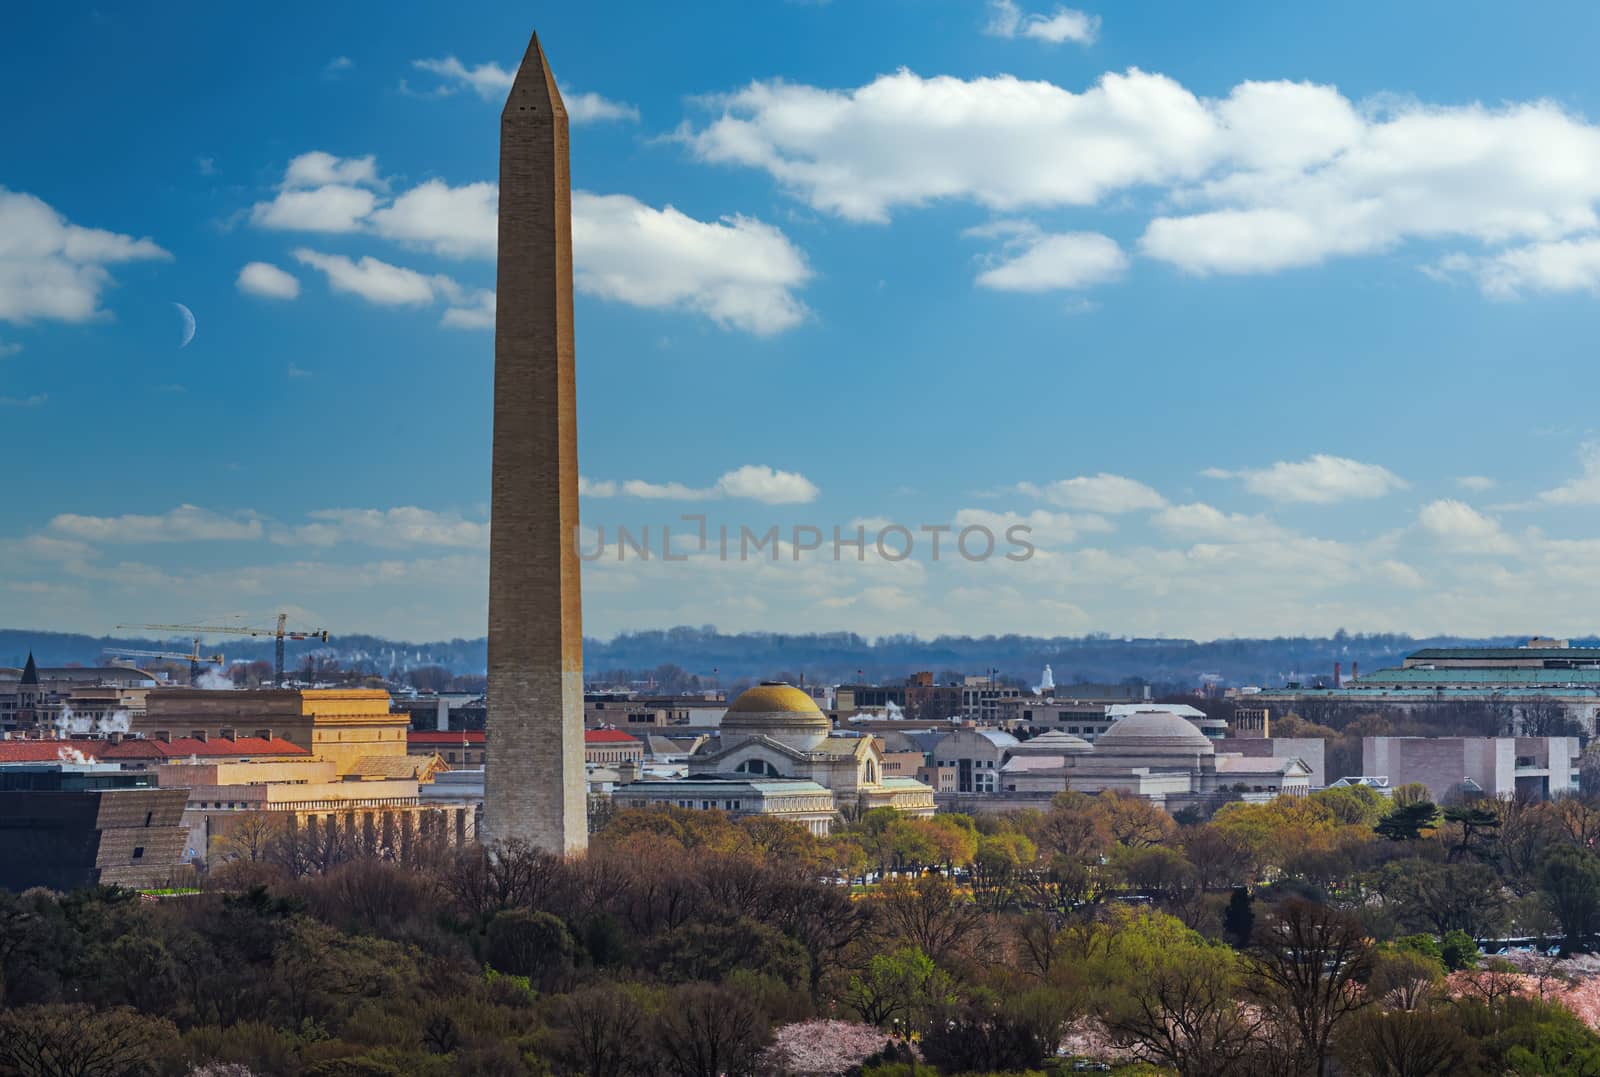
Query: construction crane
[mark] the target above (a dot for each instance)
(279, 634)
(194, 658)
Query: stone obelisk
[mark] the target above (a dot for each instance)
(534, 784)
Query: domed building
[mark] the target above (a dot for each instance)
(780, 712)
(777, 748)
(1151, 752)
(1154, 734)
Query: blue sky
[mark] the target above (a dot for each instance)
(1264, 321)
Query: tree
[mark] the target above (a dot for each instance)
(904, 986)
(1239, 919)
(532, 944)
(707, 1031)
(984, 1036)
(1405, 1043)
(1173, 995)
(997, 865)
(1570, 879)
(1477, 825)
(598, 1031)
(931, 914)
(248, 837)
(1308, 964)
(1459, 950)
(1404, 976)
(1441, 898)
(1133, 820)
(77, 1041)
(1407, 821)
(1542, 716)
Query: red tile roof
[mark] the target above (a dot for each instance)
(609, 736)
(445, 739)
(46, 751)
(210, 748)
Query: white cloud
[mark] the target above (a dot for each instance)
(739, 272)
(334, 208)
(1583, 490)
(753, 482)
(764, 484)
(37, 400)
(592, 108)
(1363, 182)
(471, 312)
(186, 523)
(487, 80)
(1051, 262)
(1319, 479)
(322, 193)
(1096, 493)
(453, 221)
(1198, 522)
(337, 64)
(1272, 175)
(1475, 483)
(1063, 24)
(492, 82)
(8, 349)
(1463, 527)
(665, 491)
(321, 169)
(904, 140)
(386, 528)
(265, 279)
(1568, 265)
(1044, 528)
(372, 280)
(52, 269)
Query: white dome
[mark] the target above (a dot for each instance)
(1055, 742)
(1154, 733)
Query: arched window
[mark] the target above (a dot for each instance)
(872, 773)
(757, 766)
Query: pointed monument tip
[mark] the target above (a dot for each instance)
(533, 91)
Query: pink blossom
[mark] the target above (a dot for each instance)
(823, 1047)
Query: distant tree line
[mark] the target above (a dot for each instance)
(1341, 932)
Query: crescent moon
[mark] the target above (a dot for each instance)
(188, 324)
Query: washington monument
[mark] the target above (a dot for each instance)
(534, 784)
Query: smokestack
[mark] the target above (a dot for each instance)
(1355, 671)
(1337, 678)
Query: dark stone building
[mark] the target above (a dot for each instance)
(65, 828)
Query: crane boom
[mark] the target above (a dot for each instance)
(194, 658)
(278, 634)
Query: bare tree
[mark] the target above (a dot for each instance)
(1309, 964)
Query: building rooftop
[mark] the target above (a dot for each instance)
(48, 751)
(773, 696)
(451, 738)
(609, 736)
(1148, 732)
(1520, 654)
(210, 748)
(1419, 675)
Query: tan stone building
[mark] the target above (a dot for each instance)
(351, 727)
